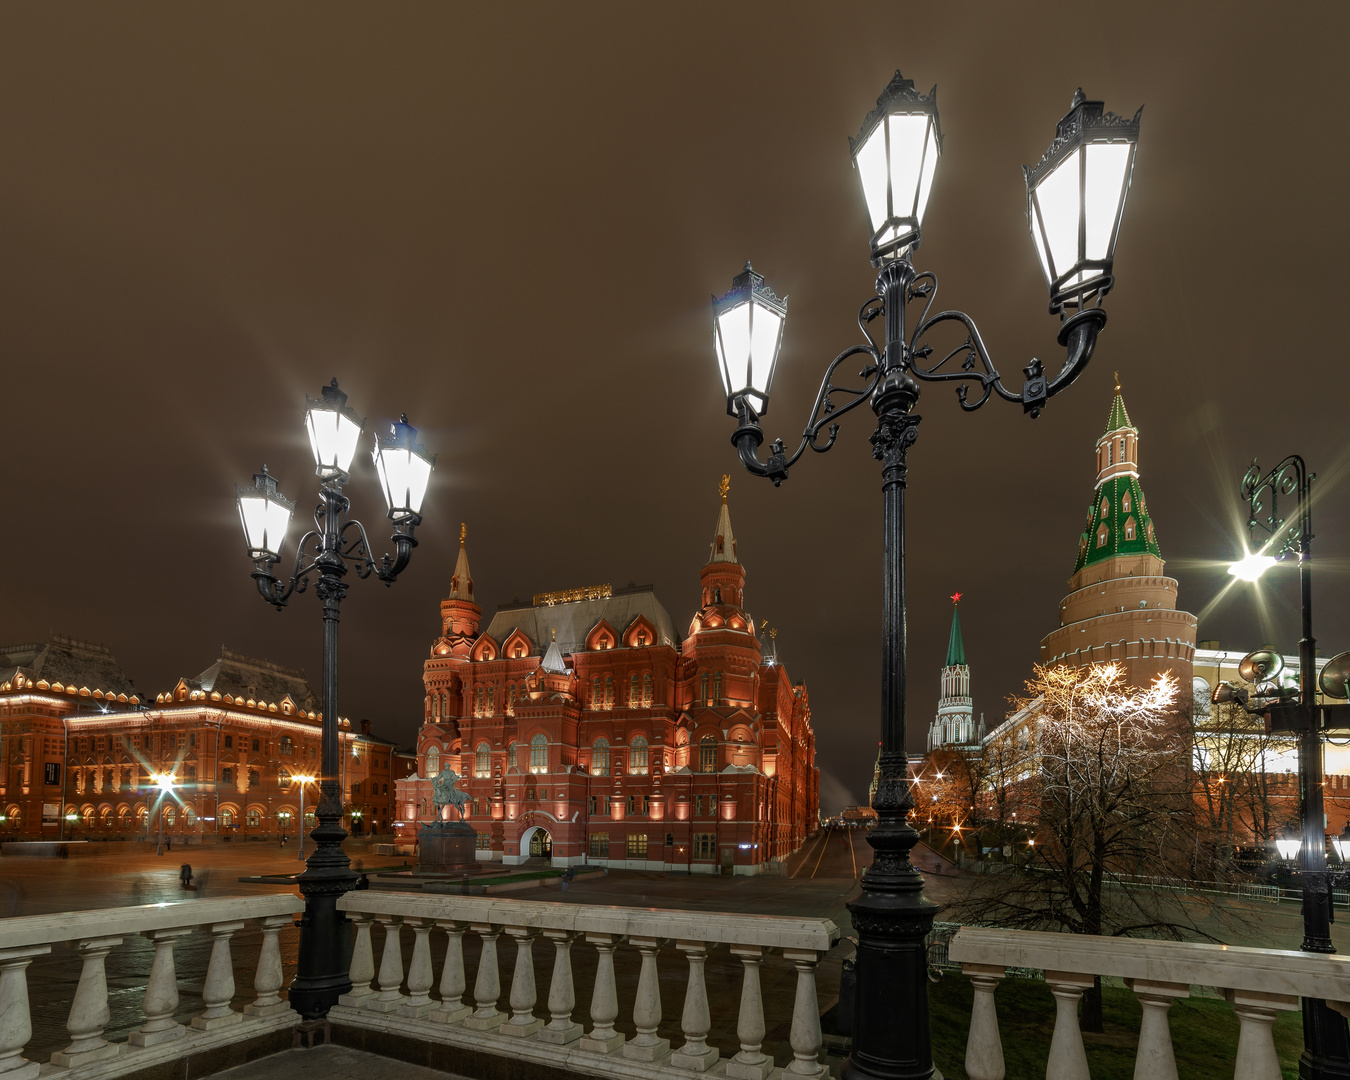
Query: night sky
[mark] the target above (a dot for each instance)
(508, 225)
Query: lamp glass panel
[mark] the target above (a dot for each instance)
(265, 523)
(404, 476)
(1057, 199)
(332, 437)
(907, 138)
(872, 169)
(1342, 846)
(735, 327)
(930, 157)
(1106, 165)
(722, 362)
(1288, 849)
(763, 346)
(1040, 244)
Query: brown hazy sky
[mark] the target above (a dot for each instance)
(508, 224)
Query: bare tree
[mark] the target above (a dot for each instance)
(1107, 771)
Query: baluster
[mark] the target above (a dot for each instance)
(751, 1063)
(604, 998)
(390, 996)
(562, 996)
(1154, 1060)
(419, 1001)
(218, 990)
(267, 980)
(805, 1035)
(89, 1013)
(16, 1021)
(362, 970)
(984, 1048)
(453, 984)
(1256, 1057)
(161, 992)
(695, 1022)
(646, 1045)
(487, 985)
(523, 992)
(1067, 1059)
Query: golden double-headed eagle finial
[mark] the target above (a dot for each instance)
(463, 532)
(1117, 375)
(723, 486)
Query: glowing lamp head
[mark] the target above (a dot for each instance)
(1251, 566)
(265, 515)
(1261, 666)
(164, 781)
(404, 469)
(333, 430)
(896, 154)
(1075, 197)
(1341, 845)
(747, 333)
(1288, 847)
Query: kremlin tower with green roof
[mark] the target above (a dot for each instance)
(1121, 607)
(954, 725)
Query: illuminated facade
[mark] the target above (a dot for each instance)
(587, 730)
(80, 751)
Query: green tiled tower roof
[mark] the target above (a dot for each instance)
(956, 648)
(1119, 418)
(1118, 522)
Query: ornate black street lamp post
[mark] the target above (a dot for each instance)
(1326, 1038)
(326, 552)
(1075, 196)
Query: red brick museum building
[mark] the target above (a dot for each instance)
(586, 729)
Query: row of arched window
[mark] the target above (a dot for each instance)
(710, 688)
(639, 691)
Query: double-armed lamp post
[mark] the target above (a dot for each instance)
(1075, 197)
(336, 543)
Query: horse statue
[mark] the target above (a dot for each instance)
(444, 793)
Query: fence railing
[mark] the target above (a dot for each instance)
(1259, 983)
(385, 999)
(160, 1038)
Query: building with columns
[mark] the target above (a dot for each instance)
(80, 750)
(585, 728)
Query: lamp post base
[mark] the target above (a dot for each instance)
(323, 971)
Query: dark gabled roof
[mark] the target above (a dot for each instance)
(68, 661)
(574, 621)
(264, 680)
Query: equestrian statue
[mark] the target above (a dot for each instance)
(444, 793)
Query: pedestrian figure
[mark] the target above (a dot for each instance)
(185, 875)
(168, 843)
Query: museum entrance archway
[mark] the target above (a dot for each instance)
(537, 843)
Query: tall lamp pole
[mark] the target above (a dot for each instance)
(336, 543)
(1326, 1038)
(1075, 197)
(303, 780)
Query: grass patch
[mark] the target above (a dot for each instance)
(1204, 1032)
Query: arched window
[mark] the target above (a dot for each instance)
(510, 699)
(287, 747)
(647, 690)
(1109, 454)
(253, 778)
(600, 757)
(1122, 449)
(1106, 507)
(1101, 536)
(539, 753)
(609, 691)
(435, 706)
(433, 765)
(284, 780)
(717, 688)
(512, 760)
(189, 817)
(254, 819)
(703, 687)
(1129, 528)
(1125, 503)
(478, 702)
(633, 700)
(597, 697)
(637, 755)
(482, 761)
(445, 703)
(227, 817)
(707, 754)
(490, 700)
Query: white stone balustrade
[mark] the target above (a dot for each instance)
(1259, 983)
(662, 939)
(161, 1038)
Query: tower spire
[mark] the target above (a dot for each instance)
(956, 647)
(461, 584)
(724, 543)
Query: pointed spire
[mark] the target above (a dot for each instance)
(553, 660)
(724, 543)
(956, 647)
(1119, 420)
(461, 585)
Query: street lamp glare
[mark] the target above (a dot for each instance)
(333, 430)
(404, 470)
(164, 781)
(1075, 198)
(747, 333)
(1251, 566)
(265, 514)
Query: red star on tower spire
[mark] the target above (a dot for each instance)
(955, 598)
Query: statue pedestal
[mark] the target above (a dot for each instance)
(447, 847)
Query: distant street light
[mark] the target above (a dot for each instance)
(165, 783)
(326, 552)
(1075, 198)
(1251, 566)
